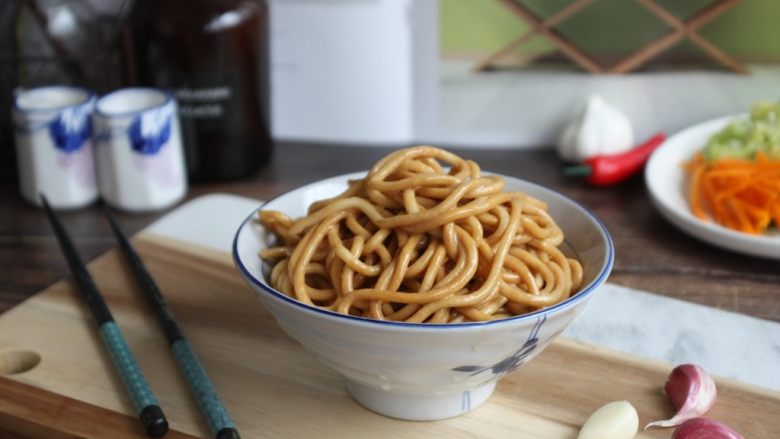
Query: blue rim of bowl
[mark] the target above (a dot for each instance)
(89, 96)
(579, 296)
(168, 98)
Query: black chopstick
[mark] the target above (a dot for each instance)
(214, 412)
(144, 401)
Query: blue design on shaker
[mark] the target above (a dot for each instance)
(72, 128)
(151, 130)
(513, 361)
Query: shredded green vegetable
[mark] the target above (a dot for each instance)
(742, 138)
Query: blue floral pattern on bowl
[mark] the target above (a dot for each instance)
(513, 361)
(71, 130)
(151, 130)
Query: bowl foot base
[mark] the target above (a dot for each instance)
(419, 407)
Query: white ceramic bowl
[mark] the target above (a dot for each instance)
(424, 371)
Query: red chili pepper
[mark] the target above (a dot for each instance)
(606, 170)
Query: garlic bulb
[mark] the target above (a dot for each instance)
(692, 392)
(599, 129)
(615, 420)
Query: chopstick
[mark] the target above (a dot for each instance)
(212, 409)
(145, 403)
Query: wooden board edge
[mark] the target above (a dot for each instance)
(35, 413)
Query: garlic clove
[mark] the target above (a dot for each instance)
(692, 392)
(599, 129)
(701, 428)
(615, 420)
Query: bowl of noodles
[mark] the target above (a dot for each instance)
(424, 280)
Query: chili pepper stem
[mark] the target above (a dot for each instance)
(578, 171)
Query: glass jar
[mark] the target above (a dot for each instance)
(213, 55)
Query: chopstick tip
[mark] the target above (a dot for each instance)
(154, 420)
(228, 433)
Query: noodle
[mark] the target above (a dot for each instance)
(415, 242)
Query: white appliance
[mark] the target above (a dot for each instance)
(355, 71)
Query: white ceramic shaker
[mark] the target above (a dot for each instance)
(53, 136)
(139, 152)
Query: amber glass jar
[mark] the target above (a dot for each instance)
(213, 55)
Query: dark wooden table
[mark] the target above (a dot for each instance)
(651, 254)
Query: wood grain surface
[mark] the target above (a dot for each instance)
(32, 412)
(271, 387)
(651, 254)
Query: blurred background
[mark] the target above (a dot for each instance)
(533, 89)
(473, 73)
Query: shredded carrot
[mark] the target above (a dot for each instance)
(743, 195)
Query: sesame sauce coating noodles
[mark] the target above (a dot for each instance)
(416, 242)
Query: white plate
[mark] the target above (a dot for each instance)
(666, 182)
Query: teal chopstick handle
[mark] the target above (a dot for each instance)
(128, 369)
(212, 408)
(141, 394)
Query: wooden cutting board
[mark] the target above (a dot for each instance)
(271, 387)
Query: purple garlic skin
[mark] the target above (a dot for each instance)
(702, 428)
(692, 392)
